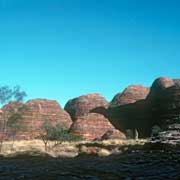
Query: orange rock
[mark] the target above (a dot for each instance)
(84, 104)
(130, 95)
(92, 126)
(34, 115)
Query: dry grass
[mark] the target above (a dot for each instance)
(67, 149)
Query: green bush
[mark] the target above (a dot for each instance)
(57, 134)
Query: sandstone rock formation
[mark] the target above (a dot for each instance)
(165, 103)
(162, 83)
(41, 109)
(132, 116)
(159, 85)
(137, 107)
(129, 110)
(177, 82)
(93, 126)
(34, 113)
(130, 95)
(84, 104)
(160, 107)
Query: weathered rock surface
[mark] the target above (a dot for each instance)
(47, 109)
(93, 126)
(34, 113)
(169, 138)
(84, 104)
(162, 83)
(132, 116)
(160, 107)
(137, 107)
(165, 102)
(129, 110)
(130, 95)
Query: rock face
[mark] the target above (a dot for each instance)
(130, 95)
(137, 107)
(132, 116)
(88, 113)
(159, 86)
(162, 83)
(89, 125)
(129, 110)
(93, 126)
(161, 106)
(35, 113)
(84, 104)
(46, 109)
(170, 136)
(165, 103)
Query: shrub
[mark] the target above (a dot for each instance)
(57, 134)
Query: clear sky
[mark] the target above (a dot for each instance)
(60, 49)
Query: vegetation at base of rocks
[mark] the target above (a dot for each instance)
(8, 95)
(70, 149)
(57, 134)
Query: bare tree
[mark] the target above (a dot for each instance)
(8, 95)
(15, 124)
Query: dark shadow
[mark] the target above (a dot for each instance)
(129, 165)
(100, 110)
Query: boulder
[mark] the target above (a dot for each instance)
(165, 105)
(92, 126)
(42, 109)
(84, 104)
(129, 110)
(132, 116)
(159, 85)
(161, 106)
(162, 83)
(34, 113)
(130, 95)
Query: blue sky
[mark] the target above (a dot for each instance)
(60, 49)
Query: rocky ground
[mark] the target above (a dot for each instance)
(108, 160)
(128, 166)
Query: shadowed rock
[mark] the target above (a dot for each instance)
(129, 110)
(160, 107)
